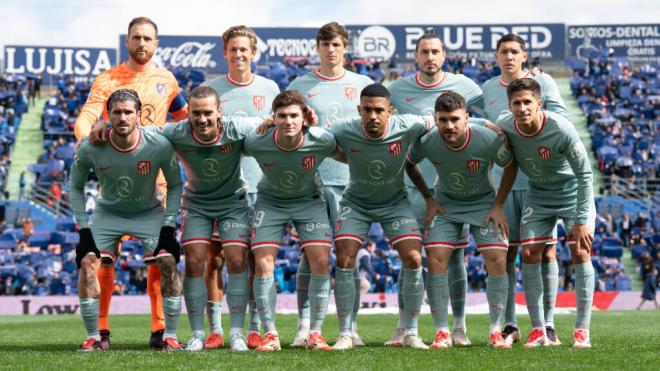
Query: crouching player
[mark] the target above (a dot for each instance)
(127, 167)
(463, 153)
(551, 154)
(288, 155)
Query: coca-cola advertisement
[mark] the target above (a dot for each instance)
(201, 52)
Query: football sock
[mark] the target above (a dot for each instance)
(302, 287)
(457, 284)
(510, 312)
(172, 310)
(214, 315)
(238, 290)
(399, 299)
(319, 292)
(533, 285)
(106, 276)
(344, 298)
(255, 320)
(496, 292)
(89, 310)
(584, 293)
(550, 272)
(263, 287)
(194, 294)
(413, 295)
(356, 304)
(155, 297)
(438, 293)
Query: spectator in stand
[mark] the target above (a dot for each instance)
(625, 230)
(28, 228)
(21, 186)
(650, 274)
(366, 259)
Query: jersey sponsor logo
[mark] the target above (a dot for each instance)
(457, 181)
(161, 89)
(408, 100)
(124, 187)
(532, 167)
(147, 114)
(356, 150)
(210, 167)
(144, 167)
(226, 149)
(103, 168)
(350, 93)
(395, 148)
(289, 179)
(544, 152)
(473, 165)
(308, 162)
(376, 169)
(258, 101)
(312, 95)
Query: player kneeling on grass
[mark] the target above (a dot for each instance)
(127, 167)
(289, 154)
(550, 152)
(462, 154)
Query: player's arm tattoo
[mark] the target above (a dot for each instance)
(170, 277)
(418, 180)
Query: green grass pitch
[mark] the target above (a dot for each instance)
(621, 340)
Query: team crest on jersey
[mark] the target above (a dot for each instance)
(350, 93)
(473, 165)
(544, 152)
(161, 89)
(308, 162)
(226, 148)
(144, 167)
(259, 101)
(395, 148)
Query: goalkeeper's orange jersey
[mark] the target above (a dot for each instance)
(157, 88)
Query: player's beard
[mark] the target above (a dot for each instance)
(141, 58)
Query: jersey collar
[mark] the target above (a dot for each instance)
(420, 83)
(507, 85)
(302, 141)
(515, 124)
(464, 146)
(122, 150)
(318, 74)
(252, 77)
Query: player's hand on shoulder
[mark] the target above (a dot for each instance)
(310, 117)
(263, 128)
(97, 134)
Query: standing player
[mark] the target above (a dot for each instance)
(332, 92)
(242, 93)
(160, 95)
(416, 94)
(463, 153)
(510, 57)
(375, 146)
(550, 152)
(127, 168)
(289, 155)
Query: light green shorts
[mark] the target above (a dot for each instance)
(447, 231)
(539, 222)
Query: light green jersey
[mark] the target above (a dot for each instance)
(332, 99)
(465, 184)
(127, 177)
(555, 161)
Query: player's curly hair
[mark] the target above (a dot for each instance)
(511, 37)
(331, 30)
(124, 95)
(449, 102)
(238, 31)
(524, 84)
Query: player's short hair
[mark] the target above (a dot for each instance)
(511, 37)
(427, 35)
(331, 30)
(238, 31)
(123, 95)
(204, 91)
(375, 91)
(142, 20)
(524, 84)
(449, 102)
(289, 98)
